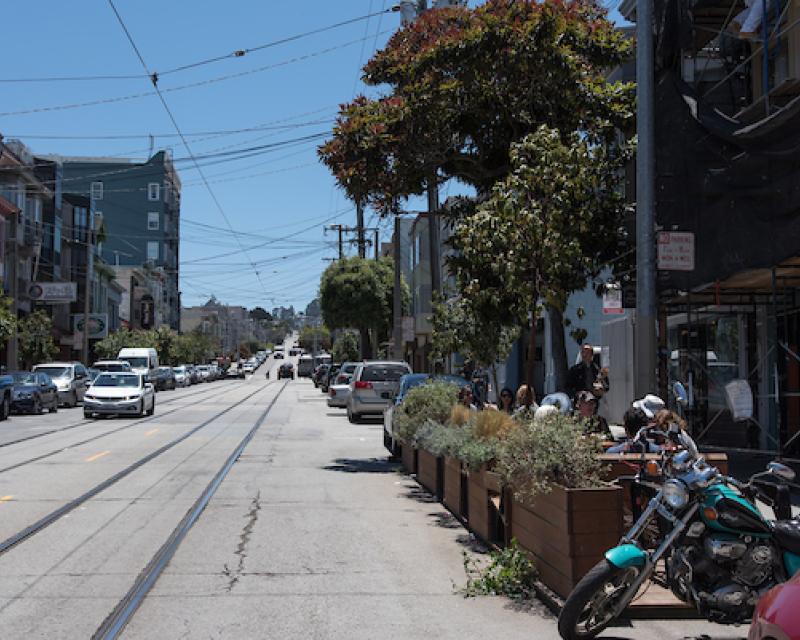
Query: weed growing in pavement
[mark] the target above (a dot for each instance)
(509, 573)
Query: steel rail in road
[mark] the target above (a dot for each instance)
(130, 425)
(113, 625)
(59, 513)
(84, 422)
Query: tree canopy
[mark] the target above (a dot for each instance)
(34, 338)
(345, 348)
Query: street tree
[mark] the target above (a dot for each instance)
(357, 294)
(35, 338)
(464, 84)
(260, 314)
(315, 336)
(8, 319)
(552, 223)
(345, 348)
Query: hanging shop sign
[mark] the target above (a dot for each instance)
(53, 292)
(97, 325)
(612, 300)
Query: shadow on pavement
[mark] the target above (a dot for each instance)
(369, 465)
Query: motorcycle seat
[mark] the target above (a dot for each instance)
(787, 534)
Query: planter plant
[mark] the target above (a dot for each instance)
(563, 513)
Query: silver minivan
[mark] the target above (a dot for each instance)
(71, 379)
(373, 387)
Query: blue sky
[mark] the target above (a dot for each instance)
(285, 192)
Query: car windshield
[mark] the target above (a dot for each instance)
(24, 378)
(112, 366)
(164, 370)
(138, 363)
(116, 380)
(349, 368)
(383, 372)
(55, 372)
(179, 369)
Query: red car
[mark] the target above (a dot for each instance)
(777, 614)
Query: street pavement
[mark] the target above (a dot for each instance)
(313, 533)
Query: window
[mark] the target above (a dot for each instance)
(96, 191)
(152, 251)
(153, 191)
(153, 221)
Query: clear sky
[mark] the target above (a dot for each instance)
(279, 198)
(292, 193)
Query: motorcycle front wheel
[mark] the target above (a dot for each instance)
(589, 608)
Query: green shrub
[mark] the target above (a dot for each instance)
(509, 572)
(431, 401)
(552, 451)
(443, 439)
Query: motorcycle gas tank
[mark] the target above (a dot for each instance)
(733, 513)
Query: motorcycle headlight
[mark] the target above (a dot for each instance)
(675, 494)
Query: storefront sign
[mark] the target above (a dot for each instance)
(675, 251)
(53, 292)
(98, 325)
(612, 300)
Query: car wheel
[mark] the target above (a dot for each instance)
(54, 408)
(87, 414)
(353, 417)
(38, 409)
(141, 409)
(5, 410)
(152, 409)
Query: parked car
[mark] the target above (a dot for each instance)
(278, 355)
(338, 395)
(182, 376)
(248, 367)
(330, 377)
(112, 365)
(194, 378)
(6, 387)
(203, 373)
(286, 370)
(165, 379)
(408, 382)
(345, 373)
(71, 379)
(777, 616)
(235, 371)
(320, 372)
(373, 387)
(120, 394)
(33, 393)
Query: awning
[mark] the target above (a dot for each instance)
(7, 209)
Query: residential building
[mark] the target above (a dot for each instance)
(139, 203)
(230, 324)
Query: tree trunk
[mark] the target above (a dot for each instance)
(531, 352)
(558, 348)
(494, 382)
(366, 347)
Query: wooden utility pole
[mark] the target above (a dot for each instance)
(362, 243)
(87, 291)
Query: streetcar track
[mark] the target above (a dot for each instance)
(116, 621)
(137, 423)
(63, 510)
(83, 423)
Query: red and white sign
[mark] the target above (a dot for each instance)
(612, 300)
(675, 251)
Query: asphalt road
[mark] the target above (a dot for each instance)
(312, 534)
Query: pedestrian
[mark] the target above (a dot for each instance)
(633, 420)
(526, 402)
(465, 397)
(651, 404)
(587, 375)
(586, 409)
(506, 401)
(267, 373)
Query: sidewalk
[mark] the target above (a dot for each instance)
(315, 535)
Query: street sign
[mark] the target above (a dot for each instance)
(98, 325)
(612, 300)
(53, 292)
(675, 251)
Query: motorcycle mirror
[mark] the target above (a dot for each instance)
(781, 470)
(680, 393)
(688, 444)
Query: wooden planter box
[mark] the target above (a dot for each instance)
(409, 457)
(430, 472)
(483, 503)
(567, 531)
(455, 488)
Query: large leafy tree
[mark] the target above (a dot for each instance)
(8, 319)
(546, 228)
(345, 348)
(465, 84)
(358, 293)
(35, 338)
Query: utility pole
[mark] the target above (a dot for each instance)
(362, 243)
(646, 304)
(434, 238)
(397, 299)
(87, 289)
(376, 231)
(13, 343)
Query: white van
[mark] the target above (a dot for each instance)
(142, 360)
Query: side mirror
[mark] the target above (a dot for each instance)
(680, 394)
(781, 471)
(686, 441)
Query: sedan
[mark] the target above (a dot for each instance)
(182, 376)
(338, 395)
(286, 370)
(777, 616)
(33, 393)
(165, 379)
(119, 394)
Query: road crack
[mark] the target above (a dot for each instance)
(235, 574)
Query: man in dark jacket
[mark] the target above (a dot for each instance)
(586, 375)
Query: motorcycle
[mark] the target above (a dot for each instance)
(719, 553)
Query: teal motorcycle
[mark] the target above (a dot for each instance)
(702, 536)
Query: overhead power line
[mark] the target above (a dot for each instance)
(239, 53)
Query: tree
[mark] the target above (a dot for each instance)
(35, 339)
(465, 84)
(357, 293)
(322, 334)
(8, 319)
(544, 230)
(260, 314)
(345, 348)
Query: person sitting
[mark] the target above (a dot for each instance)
(586, 409)
(633, 420)
(465, 397)
(506, 401)
(526, 402)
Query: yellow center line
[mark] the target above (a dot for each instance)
(97, 455)
(151, 432)
(5, 499)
